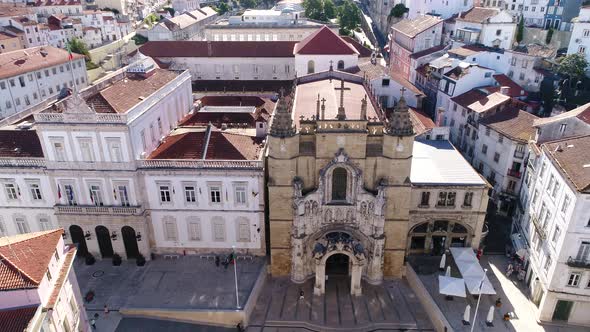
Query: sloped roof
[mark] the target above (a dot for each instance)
(582, 113)
(17, 319)
(324, 41)
(219, 49)
(513, 123)
(411, 28)
(24, 61)
(478, 14)
(514, 91)
(479, 101)
(571, 155)
(420, 121)
(20, 144)
(218, 146)
(427, 51)
(26, 258)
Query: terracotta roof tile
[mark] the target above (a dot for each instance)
(513, 123)
(478, 14)
(427, 51)
(421, 122)
(364, 52)
(324, 41)
(13, 9)
(26, 60)
(16, 320)
(68, 258)
(220, 49)
(411, 28)
(20, 144)
(480, 102)
(514, 91)
(264, 108)
(222, 146)
(30, 254)
(572, 157)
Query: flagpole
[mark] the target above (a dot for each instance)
(479, 298)
(236, 275)
(70, 58)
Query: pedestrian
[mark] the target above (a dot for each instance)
(93, 324)
(217, 261)
(239, 327)
(301, 294)
(479, 253)
(106, 310)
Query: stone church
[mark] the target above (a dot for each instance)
(348, 184)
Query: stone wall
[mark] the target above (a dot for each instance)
(559, 40)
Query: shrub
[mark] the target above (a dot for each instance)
(140, 260)
(90, 260)
(117, 260)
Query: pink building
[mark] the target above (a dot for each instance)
(412, 36)
(38, 287)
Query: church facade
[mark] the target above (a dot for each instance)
(341, 197)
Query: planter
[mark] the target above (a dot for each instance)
(90, 260)
(140, 261)
(89, 296)
(117, 260)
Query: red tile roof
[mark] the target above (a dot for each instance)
(513, 123)
(421, 122)
(571, 155)
(364, 52)
(324, 41)
(24, 61)
(412, 28)
(20, 144)
(264, 108)
(478, 14)
(480, 102)
(30, 254)
(16, 320)
(219, 49)
(515, 90)
(222, 146)
(427, 51)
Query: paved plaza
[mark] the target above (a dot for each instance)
(189, 282)
(511, 291)
(391, 306)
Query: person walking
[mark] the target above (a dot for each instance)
(93, 324)
(217, 261)
(301, 295)
(106, 310)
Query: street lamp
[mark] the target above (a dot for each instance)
(479, 298)
(233, 255)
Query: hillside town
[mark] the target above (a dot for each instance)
(294, 165)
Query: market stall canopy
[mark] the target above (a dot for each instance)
(471, 271)
(451, 286)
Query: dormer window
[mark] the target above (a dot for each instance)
(339, 184)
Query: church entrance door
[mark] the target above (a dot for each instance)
(337, 265)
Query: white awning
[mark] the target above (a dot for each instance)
(520, 247)
(451, 286)
(471, 271)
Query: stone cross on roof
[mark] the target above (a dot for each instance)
(323, 108)
(341, 113)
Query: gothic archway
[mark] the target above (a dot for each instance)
(436, 236)
(103, 237)
(77, 235)
(130, 242)
(310, 67)
(339, 184)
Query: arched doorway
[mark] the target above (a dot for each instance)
(310, 67)
(77, 235)
(105, 245)
(340, 65)
(337, 265)
(130, 242)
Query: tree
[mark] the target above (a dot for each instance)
(520, 31)
(170, 10)
(78, 46)
(547, 92)
(573, 66)
(549, 36)
(314, 9)
(349, 16)
(249, 3)
(398, 10)
(222, 8)
(329, 9)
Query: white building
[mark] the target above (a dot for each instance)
(567, 124)
(580, 40)
(181, 6)
(110, 28)
(222, 30)
(554, 225)
(450, 8)
(187, 26)
(286, 16)
(35, 75)
(39, 287)
(488, 26)
(46, 8)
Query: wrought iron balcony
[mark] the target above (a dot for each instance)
(514, 173)
(583, 263)
(98, 210)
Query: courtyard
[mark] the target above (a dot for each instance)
(189, 282)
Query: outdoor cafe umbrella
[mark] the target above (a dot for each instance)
(448, 273)
(451, 286)
(490, 317)
(443, 262)
(467, 315)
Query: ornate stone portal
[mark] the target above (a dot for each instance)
(339, 217)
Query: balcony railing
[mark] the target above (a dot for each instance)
(583, 263)
(181, 163)
(22, 162)
(514, 173)
(98, 210)
(539, 228)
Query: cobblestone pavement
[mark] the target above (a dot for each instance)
(189, 282)
(511, 291)
(389, 306)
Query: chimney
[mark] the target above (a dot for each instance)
(505, 90)
(440, 112)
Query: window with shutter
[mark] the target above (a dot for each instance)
(170, 229)
(243, 231)
(194, 229)
(218, 230)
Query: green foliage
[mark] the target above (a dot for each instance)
(398, 10)
(520, 31)
(329, 9)
(549, 36)
(151, 19)
(314, 9)
(349, 16)
(139, 40)
(107, 9)
(91, 65)
(547, 92)
(222, 8)
(249, 3)
(572, 66)
(78, 46)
